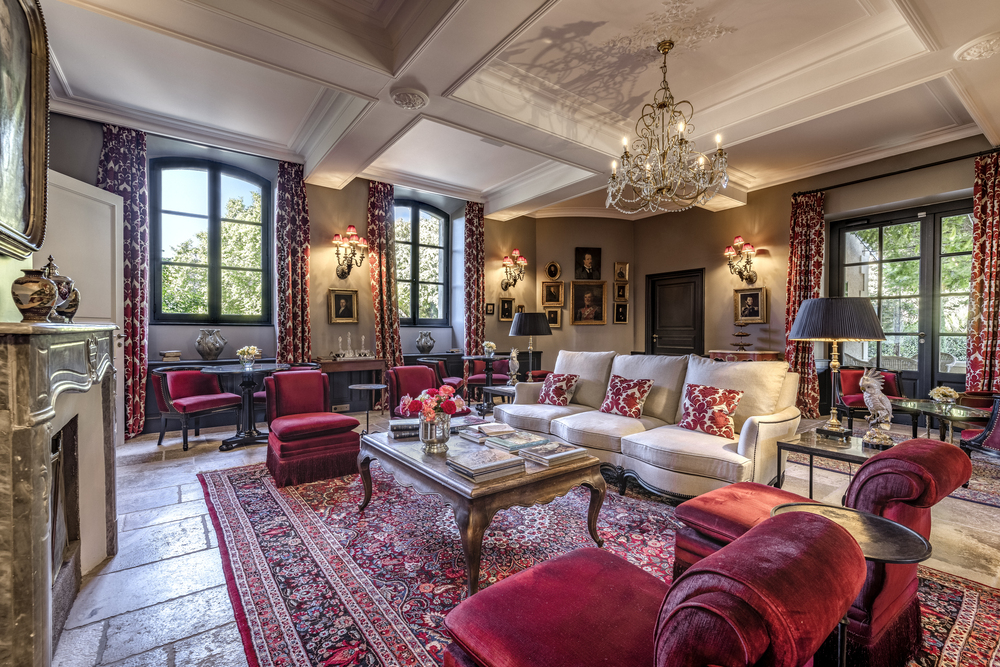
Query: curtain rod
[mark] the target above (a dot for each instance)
(896, 173)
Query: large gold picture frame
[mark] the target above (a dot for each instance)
(24, 123)
(597, 310)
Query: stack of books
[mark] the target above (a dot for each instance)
(552, 453)
(486, 464)
(512, 442)
(170, 355)
(495, 428)
(473, 434)
(401, 429)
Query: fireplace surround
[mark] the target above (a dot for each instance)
(57, 421)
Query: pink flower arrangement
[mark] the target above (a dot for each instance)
(432, 402)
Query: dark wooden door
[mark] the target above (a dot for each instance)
(675, 312)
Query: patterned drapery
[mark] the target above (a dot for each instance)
(292, 255)
(122, 171)
(805, 271)
(382, 268)
(984, 304)
(475, 281)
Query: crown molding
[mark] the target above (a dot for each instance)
(588, 212)
(421, 183)
(983, 120)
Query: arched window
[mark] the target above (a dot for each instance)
(423, 272)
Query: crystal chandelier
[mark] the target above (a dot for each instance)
(666, 172)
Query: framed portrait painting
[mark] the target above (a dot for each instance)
(621, 270)
(621, 313)
(554, 317)
(506, 309)
(589, 301)
(588, 264)
(552, 294)
(621, 291)
(491, 308)
(24, 123)
(750, 305)
(342, 305)
(553, 270)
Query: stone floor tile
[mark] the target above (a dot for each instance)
(159, 657)
(221, 647)
(140, 631)
(115, 593)
(158, 542)
(79, 647)
(191, 492)
(135, 500)
(967, 548)
(210, 532)
(160, 515)
(148, 476)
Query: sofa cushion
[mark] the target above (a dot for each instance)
(690, 452)
(594, 369)
(760, 382)
(311, 424)
(558, 388)
(789, 392)
(625, 397)
(709, 410)
(727, 513)
(599, 429)
(667, 374)
(534, 416)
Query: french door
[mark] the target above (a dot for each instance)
(915, 266)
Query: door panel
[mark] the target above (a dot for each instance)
(675, 309)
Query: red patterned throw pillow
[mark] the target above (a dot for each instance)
(558, 388)
(625, 397)
(710, 410)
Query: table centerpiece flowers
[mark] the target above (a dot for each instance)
(247, 356)
(434, 408)
(489, 348)
(943, 394)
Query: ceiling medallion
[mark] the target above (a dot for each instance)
(666, 173)
(410, 99)
(980, 48)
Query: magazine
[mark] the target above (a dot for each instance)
(552, 453)
(511, 442)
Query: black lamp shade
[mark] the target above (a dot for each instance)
(530, 324)
(837, 318)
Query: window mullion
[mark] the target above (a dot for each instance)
(415, 263)
(214, 244)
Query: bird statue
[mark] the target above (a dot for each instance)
(512, 368)
(879, 408)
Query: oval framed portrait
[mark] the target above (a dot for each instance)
(553, 270)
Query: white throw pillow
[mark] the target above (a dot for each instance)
(667, 374)
(760, 382)
(594, 369)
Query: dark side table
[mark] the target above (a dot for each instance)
(368, 404)
(246, 432)
(813, 444)
(488, 360)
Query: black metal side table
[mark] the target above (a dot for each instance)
(368, 405)
(488, 360)
(813, 444)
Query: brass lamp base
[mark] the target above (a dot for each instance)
(828, 431)
(877, 438)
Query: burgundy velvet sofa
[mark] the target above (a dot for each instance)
(901, 483)
(411, 381)
(770, 598)
(305, 442)
(186, 394)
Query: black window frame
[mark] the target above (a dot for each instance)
(414, 280)
(215, 172)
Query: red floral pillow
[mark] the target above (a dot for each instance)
(625, 397)
(558, 388)
(710, 410)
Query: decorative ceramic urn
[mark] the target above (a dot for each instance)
(209, 344)
(34, 295)
(425, 342)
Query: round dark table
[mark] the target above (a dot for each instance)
(488, 360)
(368, 405)
(246, 431)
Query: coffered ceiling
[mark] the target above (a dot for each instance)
(529, 99)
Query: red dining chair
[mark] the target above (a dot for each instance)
(477, 378)
(439, 366)
(852, 399)
(984, 440)
(185, 393)
(305, 442)
(260, 397)
(411, 381)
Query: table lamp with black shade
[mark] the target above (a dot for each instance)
(836, 320)
(530, 325)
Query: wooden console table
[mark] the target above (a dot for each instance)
(747, 355)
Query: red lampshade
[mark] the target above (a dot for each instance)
(363, 241)
(738, 241)
(729, 252)
(749, 249)
(351, 229)
(507, 261)
(354, 237)
(336, 238)
(523, 261)
(515, 253)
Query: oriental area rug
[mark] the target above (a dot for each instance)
(315, 582)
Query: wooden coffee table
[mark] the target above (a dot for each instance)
(475, 504)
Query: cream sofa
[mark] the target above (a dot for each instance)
(661, 456)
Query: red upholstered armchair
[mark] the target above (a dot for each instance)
(986, 441)
(770, 598)
(185, 393)
(477, 377)
(852, 399)
(439, 366)
(410, 381)
(901, 483)
(305, 442)
(260, 397)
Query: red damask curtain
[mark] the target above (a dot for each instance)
(475, 282)
(292, 258)
(382, 267)
(122, 171)
(984, 306)
(805, 271)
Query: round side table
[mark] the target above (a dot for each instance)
(368, 405)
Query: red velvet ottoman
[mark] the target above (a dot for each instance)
(305, 443)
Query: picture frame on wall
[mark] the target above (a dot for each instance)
(589, 302)
(621, 313)
(519, 309)
(554, 317)
(621, 270)
(621, 291)
(553, 270)
(342, 305)
(750, 305)
(588, 264)
(506, 309)
(552, 294)
(491, 308)
(24, 119)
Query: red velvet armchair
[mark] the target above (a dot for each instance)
(901, 483)
(411, 381)
(770, 598)
(260, 397)
(185, 393)
(852, 399)
(986, 441)
(305, 442)
(477, 377)
(439, 366)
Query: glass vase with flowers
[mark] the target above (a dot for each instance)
(434, 408)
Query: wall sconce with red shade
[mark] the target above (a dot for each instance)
(351, 251)
(740, 256)
(513, 268)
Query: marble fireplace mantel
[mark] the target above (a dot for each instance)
(49, 375)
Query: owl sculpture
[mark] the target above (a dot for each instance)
(879, 407)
